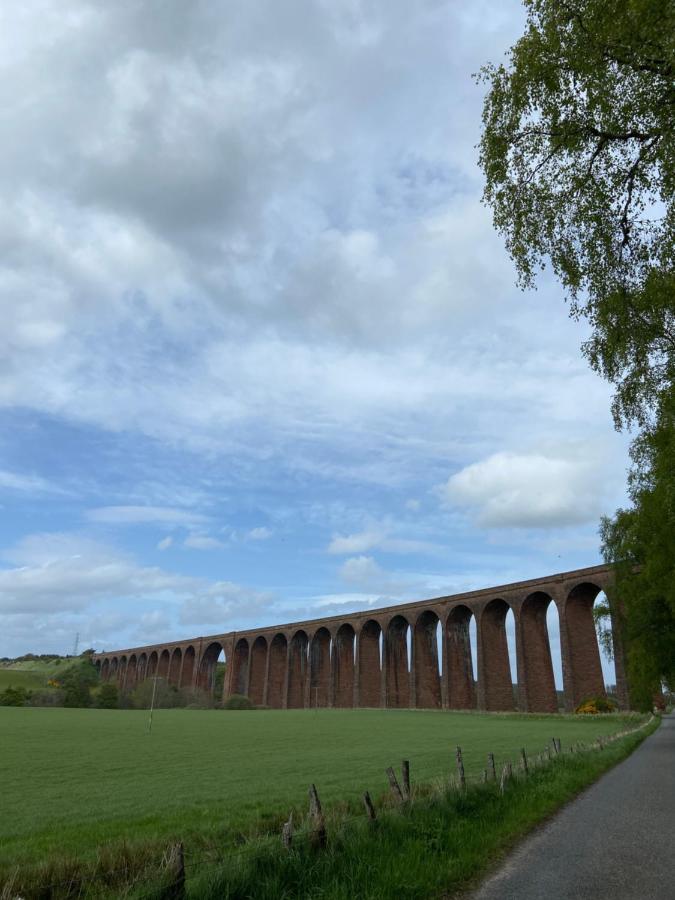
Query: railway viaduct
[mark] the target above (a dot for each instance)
(390, 657)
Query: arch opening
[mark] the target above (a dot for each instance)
(240, 662)
(297, 670)
(370, 672)
(459, 658)
(494, 666)
(163, 664)
(536, 679)
(174, 667)
(211, 674)
(187, 670)
(397, 664)
(320, 669)
(426, 660)
(153, 661)
(582, 673)
(343, 666)
(142, 668)
(132, 673)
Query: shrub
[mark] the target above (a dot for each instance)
(14, 696)
(108, 697)
(594, 705)
(48, 698)
(238, 701)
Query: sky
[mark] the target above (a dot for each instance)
(263, 356)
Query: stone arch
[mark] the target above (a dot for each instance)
(153, 661)
(536, 681)
(163, 665)
(187, 672)
(276, 684)
(114, 665)
(122, 672)
(370, 671)
(239, 683)
(206, 679)
(494, 667)
(297, 670)
(425, 661)
(582, 668)
(458, 664)
(319, 668)
(174, 667)
(132, 672)
(105, 669)
(258, 666)
(142, 667)
(343, 666)
(397, 664)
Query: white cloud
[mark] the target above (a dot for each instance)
(165, 543)
(356, 543)
(136, 515)
(531, 490)
(261, 533)
(362, 571)
(203, 542)
(30, 484)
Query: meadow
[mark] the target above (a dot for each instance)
(75, 779)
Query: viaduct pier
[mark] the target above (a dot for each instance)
(412, 655)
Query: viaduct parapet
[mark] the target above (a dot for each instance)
(411, 655)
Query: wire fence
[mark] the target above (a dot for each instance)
(177, 863)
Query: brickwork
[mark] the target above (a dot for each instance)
(390, 657)
(256, 685)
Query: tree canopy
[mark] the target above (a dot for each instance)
(578, 151)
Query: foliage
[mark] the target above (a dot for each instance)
(108, 696)
(594, 705)
(14, 696)
(238, 701)
(640, 542)
(165, 696)
(77, 682)
(49, 697)
(577, 151)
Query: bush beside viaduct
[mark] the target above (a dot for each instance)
(390, 657)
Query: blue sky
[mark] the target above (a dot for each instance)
(262, 354)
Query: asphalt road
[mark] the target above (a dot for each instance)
(615, 841)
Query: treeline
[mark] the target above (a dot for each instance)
(79, 686)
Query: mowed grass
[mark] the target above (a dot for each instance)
(75, 779)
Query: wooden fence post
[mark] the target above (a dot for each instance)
(316, 815)
(370, 809)
(523, 757)
(394, 785)
(405, 778)
(491, 766)
(460, 768)
(287, 833)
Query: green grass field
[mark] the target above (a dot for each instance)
(74, 779)
(21, 678)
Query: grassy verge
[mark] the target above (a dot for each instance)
(431, 848)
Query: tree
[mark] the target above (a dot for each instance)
(578, 151)
(108, 696)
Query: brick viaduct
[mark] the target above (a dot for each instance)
(390, 657)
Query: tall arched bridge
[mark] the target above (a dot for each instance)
(393, 657)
